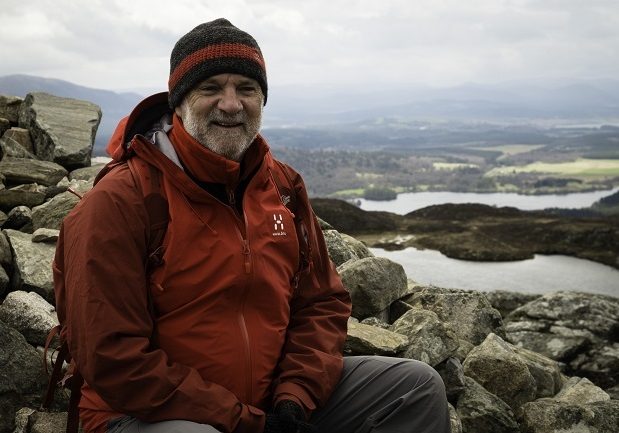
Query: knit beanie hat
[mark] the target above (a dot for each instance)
(212, 48)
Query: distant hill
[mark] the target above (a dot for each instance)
(113, 105)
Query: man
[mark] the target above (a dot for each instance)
(234, 330)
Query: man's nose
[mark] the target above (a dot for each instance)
(230, 101)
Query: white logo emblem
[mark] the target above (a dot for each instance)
(278, 225)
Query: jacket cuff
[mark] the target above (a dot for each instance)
(252, 420)
(296, 393)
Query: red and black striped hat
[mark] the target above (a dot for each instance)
(213, 48)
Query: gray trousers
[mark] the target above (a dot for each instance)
(375, 395)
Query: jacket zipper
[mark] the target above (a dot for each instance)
(246, 251)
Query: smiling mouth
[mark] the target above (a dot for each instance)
(227, 125)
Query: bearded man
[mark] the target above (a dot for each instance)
(239, 323)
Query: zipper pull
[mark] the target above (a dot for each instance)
(231, 198)
(246, 253)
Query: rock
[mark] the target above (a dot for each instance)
(33, 265)
(22, 170)
(339, 250)
(452, 373)
(45, 235)
(28, 194)
(470, 314)
(18, 218)
(63, 129)
(6, 257)
(545, 371)
(430, 340)
(5, 125)
(12, 149)
(21, 136)
(51, 213)
(5, 282)
(370, 340)
(3, 216)
(358, 248)
(600, 364)
(577, 390)
(575, 328)
(23, 379)
(613, 392)
(374, 283)
(86, 173)
(454, 420)
(373, 321)
(30, 314)
(483, 412)
(10, 107)
(497, 367)
(506, 302)
(550, 416)
(31, 421)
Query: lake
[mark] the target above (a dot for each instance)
(410, 201)
(542, 274)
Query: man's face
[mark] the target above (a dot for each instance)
(223, 113)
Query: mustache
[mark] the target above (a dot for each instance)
(222, 117)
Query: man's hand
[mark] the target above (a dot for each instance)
(288, 417)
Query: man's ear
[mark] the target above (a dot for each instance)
(178, 111)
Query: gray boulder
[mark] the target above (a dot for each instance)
(30, 314)
(506, 302)
(374, 283)
(342, 247)
(86, 173)
(23, 170)
(551, 416)
(22, 379)
(28, 420)
(452, 373)
(19, 218)
(28, 194)
(575, 328)
(600, 364)
(497, 367)
(20, 136)
(45, 235)
(33, 264)
(63, 129)
(5, 282)
(369, 340)
(581, 391)
(10, 107)
(12, 149)
(6, 257)
(430, 340)
(5, 125)
(454, 420)
(483, 412)
(51, 213)
(469, 313)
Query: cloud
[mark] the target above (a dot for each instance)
(118, 44)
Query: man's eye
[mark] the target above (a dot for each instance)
(209, 89)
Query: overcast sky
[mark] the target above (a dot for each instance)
(119, 45)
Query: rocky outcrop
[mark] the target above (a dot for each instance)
(63, 129)
(576, 329)
(511, 362)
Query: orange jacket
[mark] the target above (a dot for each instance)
(230, 334)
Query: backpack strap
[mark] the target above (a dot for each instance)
(282, 175)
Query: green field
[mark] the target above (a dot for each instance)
(581, 167)
(512, 149)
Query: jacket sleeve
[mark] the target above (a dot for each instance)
(100, 260)
(311, 361)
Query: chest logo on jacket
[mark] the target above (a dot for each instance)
(278, 225)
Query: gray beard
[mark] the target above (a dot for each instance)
(231, 145)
